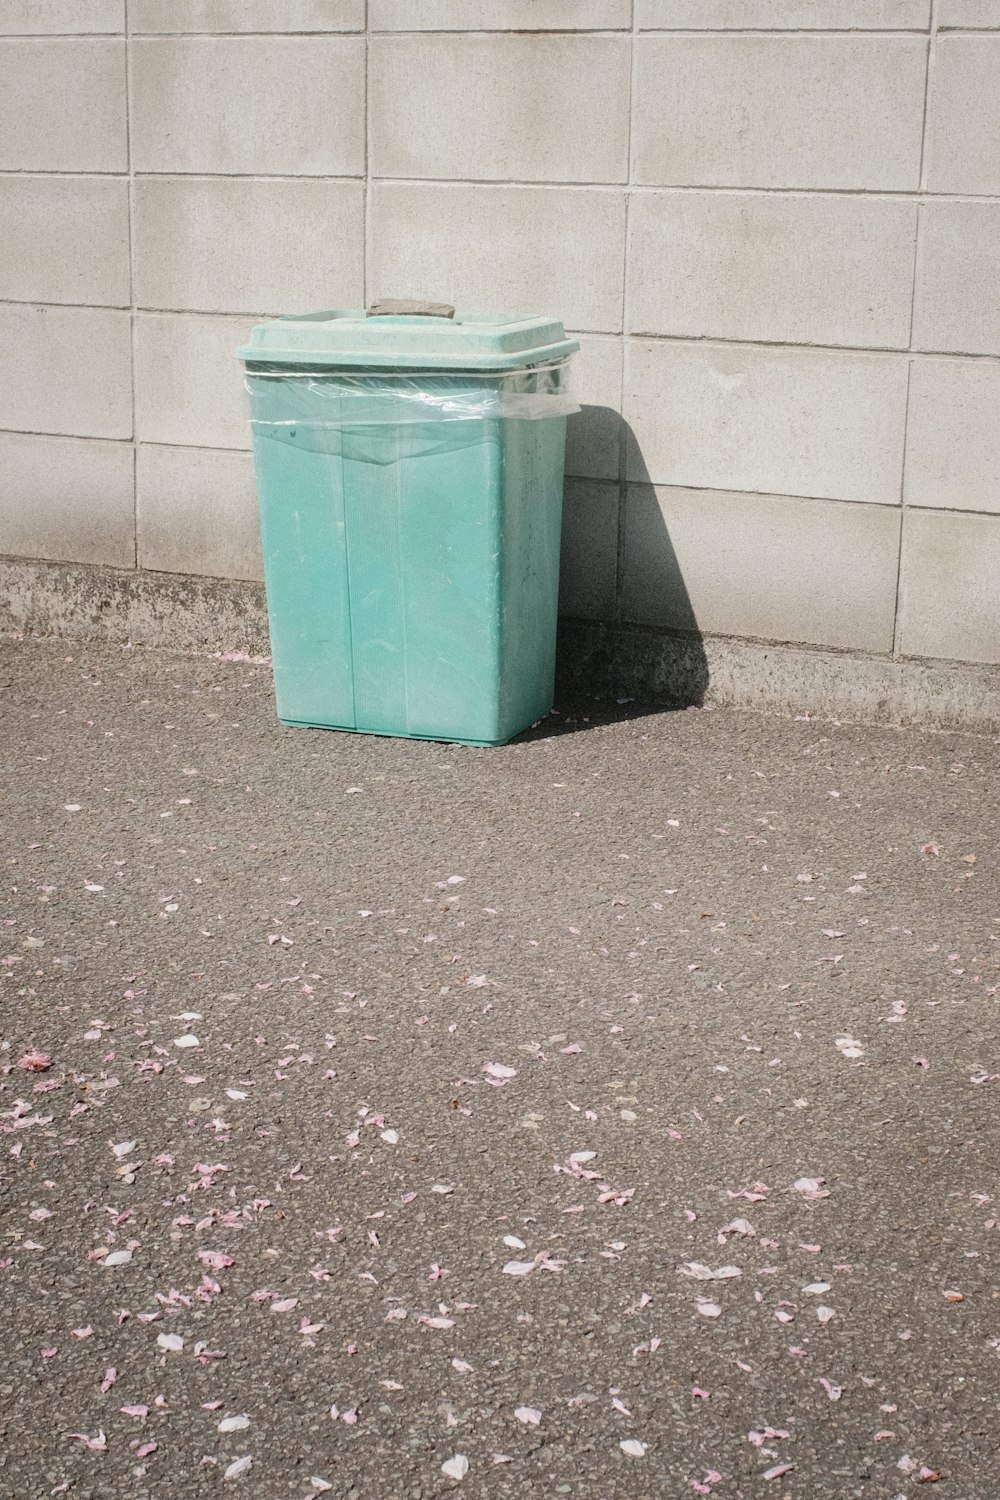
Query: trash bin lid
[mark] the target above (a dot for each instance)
(382, 339)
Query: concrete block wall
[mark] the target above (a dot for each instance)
(774, 225)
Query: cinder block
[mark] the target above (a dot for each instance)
(247, 15)
(547, 250)
(499, 15)
(805, 571)
(66, 370)
(779, 111)
(593, 436)
(188, 382)
(291, 105)
(948, 586)
(963, 116)
(66, 499)
(235, 244)
(796, 269)
(588, 563)
(777, 421)
(197, 512)
(533, 108)
(45, 17)
(957, 300)
(62, 105)
(968, 13)
(953, 435)
(65, 239)
(768, 15)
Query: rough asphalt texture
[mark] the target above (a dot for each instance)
(714, 955)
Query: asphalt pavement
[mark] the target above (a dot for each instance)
(612, 1115)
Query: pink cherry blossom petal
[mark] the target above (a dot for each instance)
(96, 1441)
(35, 1062)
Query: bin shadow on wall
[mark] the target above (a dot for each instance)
(609, 666)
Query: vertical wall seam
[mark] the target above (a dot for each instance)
(928, 80)
(366, 184)
(622, 427)
(131, 283)
(922, 171)
(902, 513)
(922, 183)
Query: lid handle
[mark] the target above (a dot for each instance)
(405, 307)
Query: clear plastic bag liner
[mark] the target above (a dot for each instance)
(389, 415)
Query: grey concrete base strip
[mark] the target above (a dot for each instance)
(170, 610)
(185, 613)
(685, 670)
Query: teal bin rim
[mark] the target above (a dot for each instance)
(346, 338)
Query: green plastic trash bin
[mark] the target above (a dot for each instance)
(409, 476)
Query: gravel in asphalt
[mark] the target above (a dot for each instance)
(611, 1115)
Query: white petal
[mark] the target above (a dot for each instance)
(171, 1341)
(456, 1467)
(238, 1466)
(736, 1226)
(633, 1447)
(513, 1243)
(529, 1415)
(701, 1272)
(234, 1424)
(117, 1258)
(518, 1267)
(697, 1269)
(188, 1040)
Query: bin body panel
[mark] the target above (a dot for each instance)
(531, 532)
(412, 573)
(304, 542)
